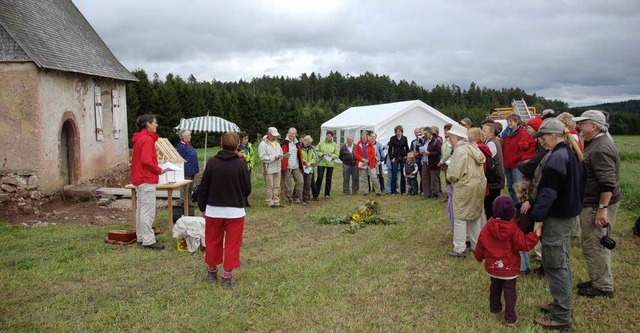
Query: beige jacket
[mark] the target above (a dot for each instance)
(267, 155)
(466, 174)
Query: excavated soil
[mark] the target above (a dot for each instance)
(84, 209)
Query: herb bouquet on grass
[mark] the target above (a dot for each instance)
(367, 214)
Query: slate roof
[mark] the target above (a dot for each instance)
(55, 35)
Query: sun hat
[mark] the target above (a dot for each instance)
(273, 131)
(458, 131)
(503, 208)
(549, 126)
(592, 115)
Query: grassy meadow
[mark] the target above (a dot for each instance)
(297, 275)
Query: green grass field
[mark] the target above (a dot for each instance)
(297, 275)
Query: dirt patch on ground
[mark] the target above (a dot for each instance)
(80, 213)
(85, 209)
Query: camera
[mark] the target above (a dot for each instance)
(607, 241)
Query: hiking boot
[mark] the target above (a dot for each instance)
(227, 283)
(595, 292)
(212, 277)
(457, 254)
(513, 324)
(585, 285)
(551, 324)
(546, 307)
(539, 272)
(155, 246)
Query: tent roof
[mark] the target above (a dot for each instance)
(372, 115)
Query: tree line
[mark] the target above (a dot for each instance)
(308, 101)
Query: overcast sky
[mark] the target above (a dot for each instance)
(582, 52)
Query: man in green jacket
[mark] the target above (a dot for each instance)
(600, 204)
(327, 153)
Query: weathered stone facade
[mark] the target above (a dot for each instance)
(19, 192)
(48, 126)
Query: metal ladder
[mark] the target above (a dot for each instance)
(520, 108)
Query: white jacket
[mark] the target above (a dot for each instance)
(267, 156)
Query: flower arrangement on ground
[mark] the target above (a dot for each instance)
(367, 214)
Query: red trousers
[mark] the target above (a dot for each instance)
(223, 237)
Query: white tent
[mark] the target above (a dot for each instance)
(382, 118)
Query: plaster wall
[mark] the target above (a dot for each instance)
(67, 96)
(34, 105)
(20, 124)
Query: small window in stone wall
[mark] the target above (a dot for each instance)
(98, 110)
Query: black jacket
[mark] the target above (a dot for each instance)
(225, 181)
(347, 157)
(398, 148)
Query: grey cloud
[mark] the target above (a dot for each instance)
(576, 52)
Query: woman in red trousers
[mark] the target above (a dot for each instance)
(224, 188)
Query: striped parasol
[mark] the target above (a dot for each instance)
(207, 124)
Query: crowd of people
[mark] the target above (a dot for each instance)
(561, 183)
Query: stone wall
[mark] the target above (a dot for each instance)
(19, 192)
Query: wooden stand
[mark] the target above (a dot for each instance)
(169, 188)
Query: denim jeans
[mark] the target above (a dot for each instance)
(514, 176)
(396, 166)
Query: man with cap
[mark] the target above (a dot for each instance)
(467, 123)
(270, 153)
(557, 203)
(600, 203)
(466, 174)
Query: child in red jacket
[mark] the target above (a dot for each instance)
(499, 244)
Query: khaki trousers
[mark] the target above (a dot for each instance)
(272, 188)
(364, 180)
(598, 257)
(145, 213)
(293, 191)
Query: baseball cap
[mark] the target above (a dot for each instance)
(466, 121)
(592, 115)
(273, 131)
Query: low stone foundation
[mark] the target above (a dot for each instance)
(19, 192)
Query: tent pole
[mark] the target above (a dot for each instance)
(204, 162)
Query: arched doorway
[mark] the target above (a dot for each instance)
(69, 152)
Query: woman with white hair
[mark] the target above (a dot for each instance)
(191, 164)
(466, 174)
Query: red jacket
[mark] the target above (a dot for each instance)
(358, 153)
(285, 160)
(487, 153)
(144, 159)
(499, 244)
(517, 147)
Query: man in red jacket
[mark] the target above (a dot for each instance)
(367, 162)
(144, 176)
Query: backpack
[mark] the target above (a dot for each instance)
(492, 173)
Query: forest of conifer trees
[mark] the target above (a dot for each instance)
(309, 100)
